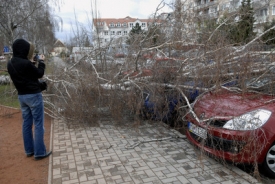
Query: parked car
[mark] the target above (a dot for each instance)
(137, 74)
(4, 79)
(235, 126)
(2, 58)
(262, 84)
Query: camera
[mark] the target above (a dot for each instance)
(36, 57)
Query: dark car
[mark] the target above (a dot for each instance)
(162, 105)
(235, 126)
(262, 84)
(166, 104)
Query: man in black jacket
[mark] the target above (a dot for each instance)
(25, 75)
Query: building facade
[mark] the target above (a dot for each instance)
(114, 31)
(264, 11)
(59, 48)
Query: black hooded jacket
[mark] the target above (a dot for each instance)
(23, 72)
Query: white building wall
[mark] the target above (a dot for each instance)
(115, 30)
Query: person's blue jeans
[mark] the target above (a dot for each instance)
(32, 107)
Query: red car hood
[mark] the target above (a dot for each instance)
(227, 103)
(140, 73)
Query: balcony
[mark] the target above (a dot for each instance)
(204, 4)
(259, 4)
(261, 19)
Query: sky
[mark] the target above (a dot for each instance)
(80, 11)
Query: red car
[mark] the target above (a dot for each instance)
(138, 74)
(236, 126)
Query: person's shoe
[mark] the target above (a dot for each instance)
(47, 154)
(30, 155)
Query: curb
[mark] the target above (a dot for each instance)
(50, 159)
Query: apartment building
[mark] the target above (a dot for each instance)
(264, 9)
(114, 31)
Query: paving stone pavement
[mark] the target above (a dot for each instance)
(103, 154)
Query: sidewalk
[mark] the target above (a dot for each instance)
(99, 155)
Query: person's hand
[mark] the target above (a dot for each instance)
(42, 57)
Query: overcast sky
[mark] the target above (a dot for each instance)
(80, 10)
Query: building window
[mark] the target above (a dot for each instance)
(118, 24)
(263, 12)
(273, 10)
(131, 24)
(143, 24)
(236, 4)
(100, 23)
(106, 33)
(119, 33)
(213, 10)
(224, 6)
(113, 33)
(112, 25)
(125, 32)
(124, 24)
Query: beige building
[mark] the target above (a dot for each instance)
(59, 48)
(264, 10)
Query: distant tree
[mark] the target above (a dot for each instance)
(87, 42)
(153, 36)
(28, 19)
(269, 37)
(242, 32)
(207, 29)
(136, 29)
(177, 29)
(135, 33)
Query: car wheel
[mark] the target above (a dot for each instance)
(268, 166)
